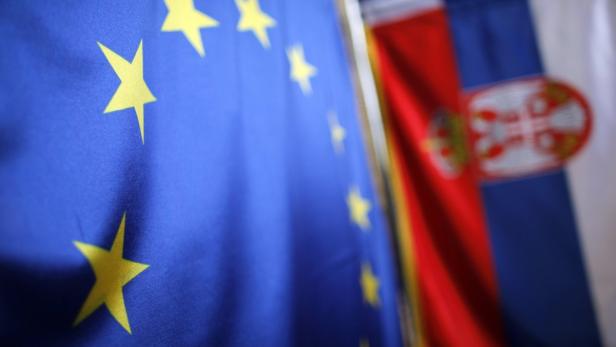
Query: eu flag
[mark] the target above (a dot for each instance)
(186, 172)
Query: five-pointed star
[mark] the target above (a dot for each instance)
(112, 273)
(358, 208)
(364, 343)
(253, 18)
(369, 285)
(301, 70)
(133, 91)
(184, 17)
(337, 132)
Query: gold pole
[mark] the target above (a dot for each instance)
(371, 119)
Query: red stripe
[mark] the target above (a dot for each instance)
(455, 274)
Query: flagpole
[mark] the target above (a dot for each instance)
(374, 133)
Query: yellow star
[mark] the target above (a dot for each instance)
(337, 132)
(112, 273)
(358, 208)
(254, 19)
(364, 343)
(369, 285)
(301, 71)
(133, 91)
(184, 17)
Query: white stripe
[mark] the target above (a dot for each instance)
(381, 11)
(578, 45)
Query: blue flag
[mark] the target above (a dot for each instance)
(186, 172)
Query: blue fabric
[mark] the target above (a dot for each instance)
(543, 285)
(236, 199)
(494, 40)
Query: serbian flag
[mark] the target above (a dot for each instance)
(502, 124)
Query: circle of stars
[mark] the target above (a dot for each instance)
(111, 269)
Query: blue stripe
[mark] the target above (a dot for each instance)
(543, 285)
